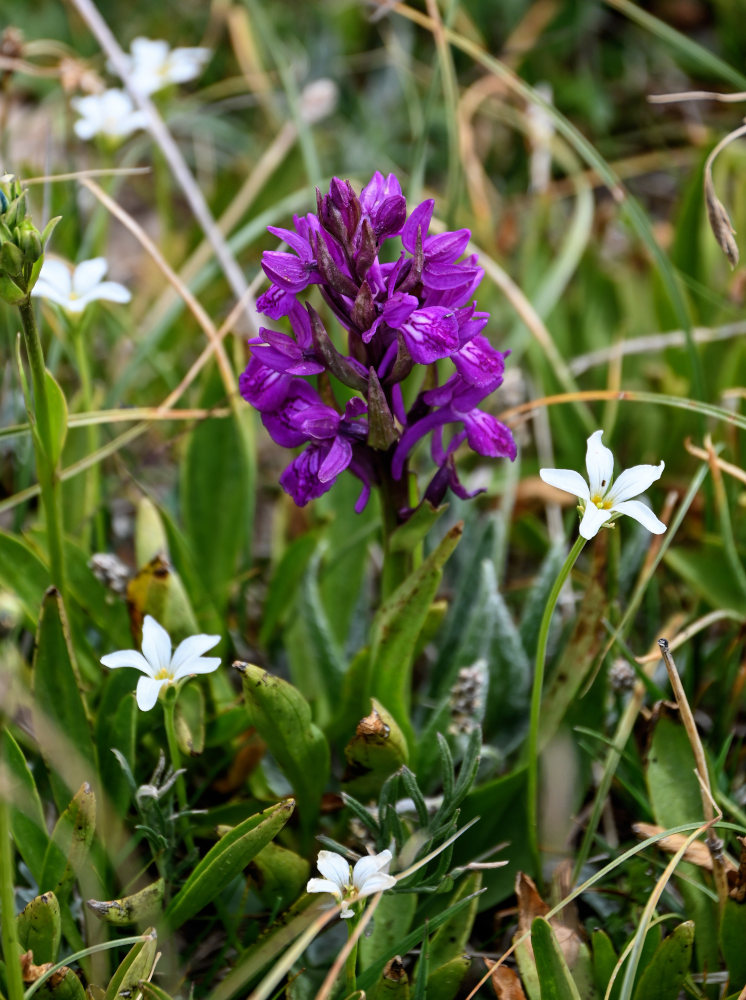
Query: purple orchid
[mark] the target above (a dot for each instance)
(397, 313)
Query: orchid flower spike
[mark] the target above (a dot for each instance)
(604, 498)
(74, 288)
(159, 667)
(348, 884)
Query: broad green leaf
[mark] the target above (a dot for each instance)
(157, 590)
(215, 475)
(396, 630)
(284, 583)
(190, 719)
(604, 962)
(60, 719)
(283, 719)
(23, 573)
(733, 943)
(555, 980)
(279, 876)
(135, 966)
(141, 907)
(225, 860)
(663, 978)
(40, 928)
(408, 535)
(150, 534)
(706, 570)
(67, 987)
(676, 798)
(26, 813)
(394, 916)
(444, 981)
(115, 729)
(70, 844)
(57, 416)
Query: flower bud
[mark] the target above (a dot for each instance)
(21, 246)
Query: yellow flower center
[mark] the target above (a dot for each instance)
(600, 502)
(163, 675)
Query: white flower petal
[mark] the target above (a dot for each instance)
(192, 649)
(55, 276)
(156, 645)
(334, 867)
(88, 274)
(592, 520)
(111, 291)
(127, 658)
(347, 913)
(324, 885)
(147, 692)
(197, 665)
(377, 882)
(599, 461)
(368, 866)
(567, 480)
(640, 512)
(632, 482)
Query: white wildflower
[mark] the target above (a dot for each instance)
(153, 65)
(158, 665)
(110, 114)
(348, 884)
(74, 288)
(602, 497)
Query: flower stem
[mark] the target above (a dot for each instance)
(11, 947)
(536, 691)
(91, 489)
(46, 467)
(397, 564)
(351, 963)
(169, 704)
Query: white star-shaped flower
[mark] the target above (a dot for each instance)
(159, 667)
(602, 497)
(74, 288)
(348, 884)
(111, 114)
(153, 65)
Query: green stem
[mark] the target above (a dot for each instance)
(169, 704)
(11, 947)
(397, 565)
(46, 467)
(351, 963)
(91, 489)
(538, 684)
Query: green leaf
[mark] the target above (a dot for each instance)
(23, 573)
(706, 570)
(555, 980)
(67, 987)
(216, 460)
(225, 860)
(40, 928)
(396, 630)
(451, 938)
(284, 583)
(115, 729)
(604, 962)
(190, 719)
(394, 917)
(377, 749)
(444, 981)
(136, 965)
(60, 719)
(57, 416)
(417, 527)
(26, 813)
(68, 849)
(140, 907)
(279, 876)
(732, 940)
(663, 978)
(283, 719)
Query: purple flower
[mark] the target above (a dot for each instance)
(396, 311)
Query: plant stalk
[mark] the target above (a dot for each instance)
(169, 705)
(46, 467)
(11, 947)
(532, 804)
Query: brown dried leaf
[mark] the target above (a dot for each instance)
(698, 853)
(720, 223)
(565, 925)
(505, 982)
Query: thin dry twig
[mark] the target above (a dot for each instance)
(350, 943)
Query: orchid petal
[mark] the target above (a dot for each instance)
(336, 461)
